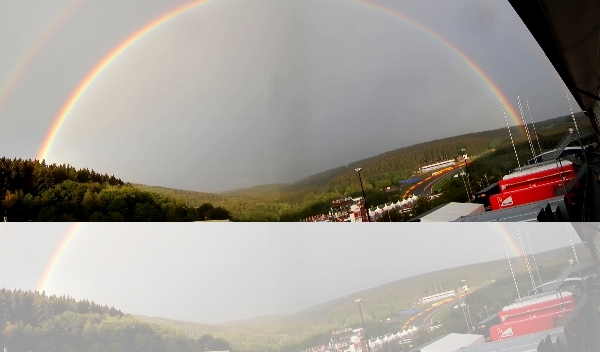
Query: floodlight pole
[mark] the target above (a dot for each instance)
(363, 324)
(467, 302)
(467, 169)
(358, 170)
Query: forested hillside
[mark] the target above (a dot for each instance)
(313, 326)
(192, 198)
(32, 321)
(313, 194)
(33, 191)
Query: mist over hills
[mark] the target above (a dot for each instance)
(315, 323)
(379, 171)
(34, 321)
(34, 191)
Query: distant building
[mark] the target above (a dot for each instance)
(437, 297)
(352, 340)
(436, 166)
(348, 210)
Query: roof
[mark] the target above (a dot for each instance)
(544, 298)
(488, 319)
(518, 344)
(488, 188)
(569, 36)
(453, 211)
(525, 212)
(534, 170)
(452, 342)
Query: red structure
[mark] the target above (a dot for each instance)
(532, 316)
(531, 185)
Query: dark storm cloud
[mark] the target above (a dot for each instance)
(237, 94)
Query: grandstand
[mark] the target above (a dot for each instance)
(437, 297)
(436, 166)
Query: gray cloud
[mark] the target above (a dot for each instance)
(191, 104)
(223, 272)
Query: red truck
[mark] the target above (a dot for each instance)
(531, 185)
(531, 316)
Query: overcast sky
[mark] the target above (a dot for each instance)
(214, 273)
(238, 93)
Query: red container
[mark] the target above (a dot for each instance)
(523, 327)
(531, 185)
(537, 307)
(536, 176)
(532, 316)
(516, 198)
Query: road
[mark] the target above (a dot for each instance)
(425, 317)
(426, 185)
(430, 318)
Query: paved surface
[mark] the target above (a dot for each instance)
(424, 317)
(425, 186)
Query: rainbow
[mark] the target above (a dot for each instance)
(64, 244)
(172, 14)
(23, 62)
(511, 110)
(512, 243)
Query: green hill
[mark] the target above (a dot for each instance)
(32, 321)
(30, 190)
(34, 191)
(313, 194)
(313, 325)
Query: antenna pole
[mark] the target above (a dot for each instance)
(572, 115)
(533, 255)
(526, 128)
(511, 268)
(534, 131)
(576, 128)
(510, 133)
(526, 259)
(576, 258)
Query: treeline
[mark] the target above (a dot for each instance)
(290, 203)
(486, 170)
(489, 300)
(313, 326)
(389, 168)
(33, 191)
(30, 190)
(32, 321)
(496, 289)
(192, 198)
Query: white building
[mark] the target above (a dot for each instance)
(453, 342)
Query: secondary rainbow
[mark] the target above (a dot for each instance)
(23, 62)
(58, 254)
(139, 34)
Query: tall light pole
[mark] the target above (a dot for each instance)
(363, 323)
(467, 302)
(462, 304)
(467, 169)
(358, 170)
